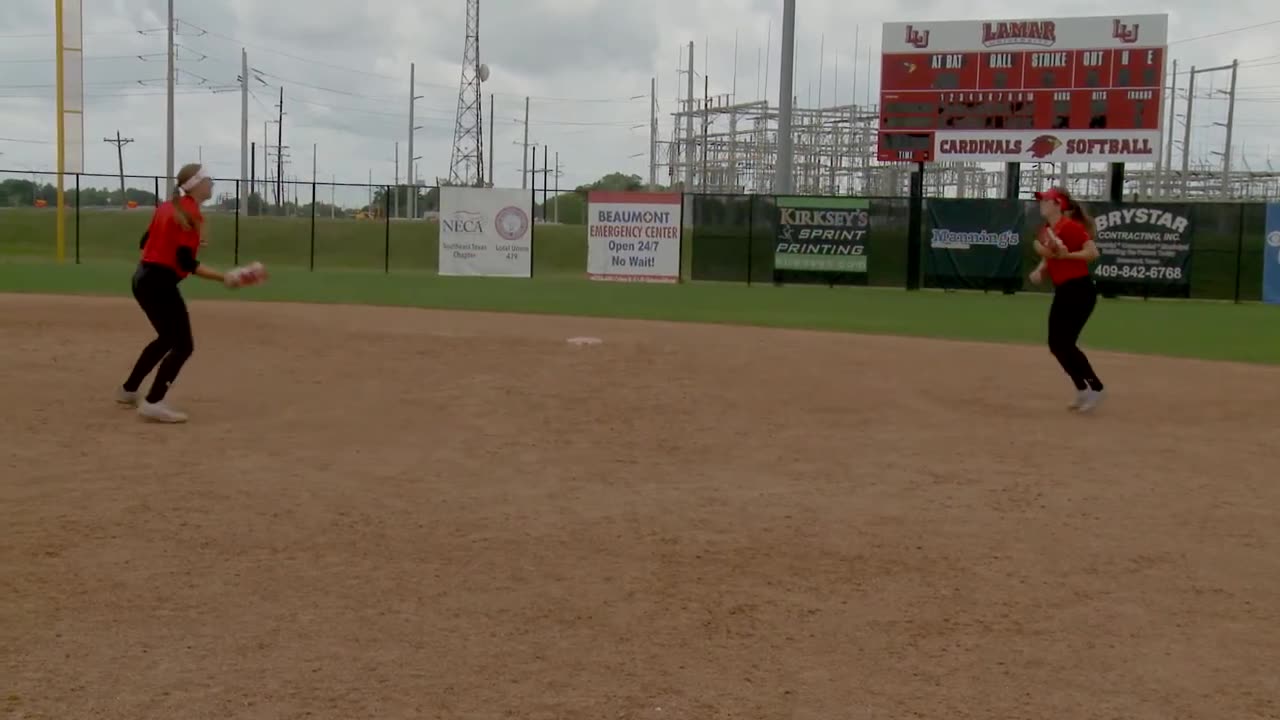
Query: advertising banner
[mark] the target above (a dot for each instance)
(1143, 244)
(1271, 263)
(822, 234)
(975, 243)
(634, 236)
(486, 232)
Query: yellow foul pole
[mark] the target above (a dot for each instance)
(62, 139)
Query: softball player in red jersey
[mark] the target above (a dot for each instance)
(169, 250)
(1066, 248)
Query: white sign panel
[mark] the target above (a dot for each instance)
(633, 236)
(1078, 33)
(486, 232)
(1056, 146)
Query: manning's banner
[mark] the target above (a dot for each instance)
(486, 231)
(634, 236)
(1271, 262)
(974, 244)
(822, 234)
(1143, 244)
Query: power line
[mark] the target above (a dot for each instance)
(1254, 26)
(33, 61)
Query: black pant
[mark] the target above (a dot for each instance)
(1073, 303)
(156, 289)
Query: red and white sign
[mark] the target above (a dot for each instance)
(1078, 33)
(1054, 147)
(634, 236)
(1091, 78)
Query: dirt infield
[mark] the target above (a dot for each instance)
(393, 513)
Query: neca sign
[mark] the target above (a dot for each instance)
(463, 221)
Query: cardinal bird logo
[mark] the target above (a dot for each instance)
(1044, 146)
(911, 67)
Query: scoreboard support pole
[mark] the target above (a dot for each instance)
(1012, 180)
(915, 227)
(1115, 183)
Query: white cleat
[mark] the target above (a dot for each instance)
(1093, 398)
(1081, 397)
(159, 412)
(124, 397)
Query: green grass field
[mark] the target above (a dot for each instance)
(349, 256)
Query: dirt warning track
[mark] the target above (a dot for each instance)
(395, 513)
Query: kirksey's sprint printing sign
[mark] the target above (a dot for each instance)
(822, 234)
(1143, 244)
(485, 231)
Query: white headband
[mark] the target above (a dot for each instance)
(195, 180)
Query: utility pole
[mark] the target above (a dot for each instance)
(1231, 117)
(1186, 133)
(120, 142)
(706, 121)
(169, 82)
(653, 134)
(410, 177)
(243, 203)
(545, 168)
(491, 183)
(533, 174)
(524, 170)
(689, 154)
(396, 197)
(1186, 143)
(266, 163)
(280, 149)
(1167, 165)
(782, 177)
(556, 212)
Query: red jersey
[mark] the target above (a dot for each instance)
(166, 235)
(1074, 235)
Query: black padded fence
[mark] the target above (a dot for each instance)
(1159, 248)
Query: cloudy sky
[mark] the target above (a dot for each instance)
(586, 64)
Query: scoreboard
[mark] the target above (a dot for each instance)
(1084, 89)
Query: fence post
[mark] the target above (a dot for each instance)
(1239, 247)
(313, 226)
(751, 234)
(78, 221)
(386, 240)
(235, 252)
(915, 227)
(533, 224)
(157, 193)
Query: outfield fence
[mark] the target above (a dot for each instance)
(1208, 250)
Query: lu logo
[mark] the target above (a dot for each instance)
(917, 39)
(1122, 32)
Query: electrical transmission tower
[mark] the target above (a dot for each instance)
(466, 166)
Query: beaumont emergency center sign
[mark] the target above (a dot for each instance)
(1085, 89)
(633, 236)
